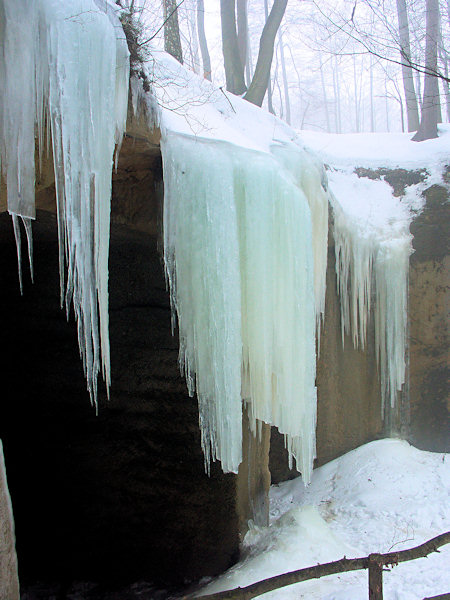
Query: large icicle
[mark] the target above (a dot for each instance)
(278, 309)
(373, 245)
(310, 176)
(239, 261)
(201, 256)
(62, 62)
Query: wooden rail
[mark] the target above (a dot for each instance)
(374, 563)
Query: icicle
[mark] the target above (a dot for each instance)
(373, 245)
(391, 315)
(239, 262)
(16, 226)
(60, 62)
(310, 176)
(201, 256)
(278, 311)
(29, 232)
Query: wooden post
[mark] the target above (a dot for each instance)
(375, 577)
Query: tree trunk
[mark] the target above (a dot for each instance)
(234, 69)
(269, 83)
(372, 112)
(193, 34)
(412, 111)
(337, 95)
(202, 40)
(285, 79)
(444, 58)
(260, 81)
(172, 42)
(357, 107)
(431, 105)
(242, 30)
(324, 94)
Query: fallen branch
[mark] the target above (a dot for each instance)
(339, 566)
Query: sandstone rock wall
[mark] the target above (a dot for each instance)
(429, 306)
(9, 579)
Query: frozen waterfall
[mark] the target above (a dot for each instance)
(238, 253)
(65, 71)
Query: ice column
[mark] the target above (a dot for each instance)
(309, 175)
(201, 256)
(278, 308)
(66, 71)
(239, 261)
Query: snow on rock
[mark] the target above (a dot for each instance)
(60, 63)
(383, 496)
(372, 245)
(245, 248)
(372, 239)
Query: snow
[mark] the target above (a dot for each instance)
(195, 107)
(60, 63)
(385, 495)
(375, 150)
(245, 250)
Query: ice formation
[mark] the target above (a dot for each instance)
(60, 63)
(245, 238)
(309, 174)
(373, 245)
(239, 260)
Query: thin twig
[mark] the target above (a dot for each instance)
(232, 107)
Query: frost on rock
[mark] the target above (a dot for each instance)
(239, 260)
(373, 245)
(59, 63)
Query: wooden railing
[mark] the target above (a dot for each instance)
(374, 563)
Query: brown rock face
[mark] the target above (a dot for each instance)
(429, 303)
(9, 580)
(348, 388)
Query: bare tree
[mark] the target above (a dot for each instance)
(269, 83)
(431, 104)
(242, 30)
(234, 68)
(412, 111)
(202, 40)
(172, 41)
(258, 86)
(285, 79)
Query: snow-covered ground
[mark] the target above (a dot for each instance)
(379, 149)
(383, 496)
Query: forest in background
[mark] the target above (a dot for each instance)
(376, 65)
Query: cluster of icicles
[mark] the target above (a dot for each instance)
(248, 287)
(373, 272)
(64, 72)
(245, 233)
